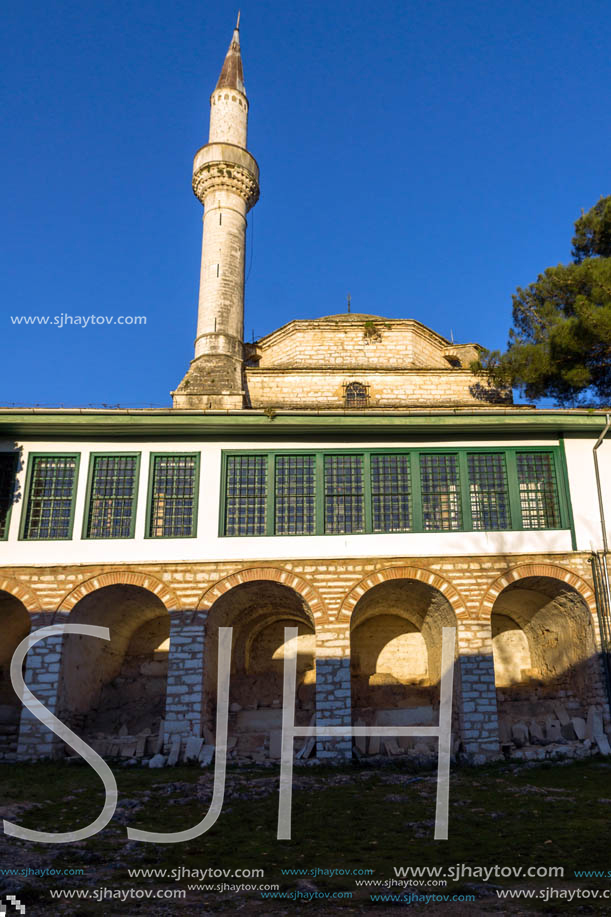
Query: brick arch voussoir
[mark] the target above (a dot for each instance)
(121, 578)
(20, 591)
(274, 574)
(522, 571)
(421, 574)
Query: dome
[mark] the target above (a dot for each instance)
(348, 317)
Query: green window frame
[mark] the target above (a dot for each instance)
(173, 495)
(393, 490)
(295, 495)
(538, 485)
(51, 485)
(246, 494)
(112, 495)
(489, 491)
(8, 479)
(440, 490)
(344, 493)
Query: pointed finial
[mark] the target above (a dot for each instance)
(349, 302)
(232, 76)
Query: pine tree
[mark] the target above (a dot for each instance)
(560, 342)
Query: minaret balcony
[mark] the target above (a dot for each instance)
(224, 166)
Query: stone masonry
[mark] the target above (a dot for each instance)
(184, 713)
(332, 588)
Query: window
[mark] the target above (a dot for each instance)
(337, 492)
(173, 496)
(8, 467)
(295, 495)
(390, 493)
(113, 487)
(245, 503)
(344, 494)
(440, 486)
(538, 490)
(488, 491)
(356, 395)
(51, 489)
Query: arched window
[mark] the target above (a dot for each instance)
(356, 395)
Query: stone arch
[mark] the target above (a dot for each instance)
(546, 664)
(258, 610)
(15, 626)
(535, 570)
(21, 591)
(396, 632)
(422, 575)
(121, 578)
(273, 574)
(117, 686)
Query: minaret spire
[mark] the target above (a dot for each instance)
(226, 181)
(232, 74)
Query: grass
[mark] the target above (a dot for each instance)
(342, 818)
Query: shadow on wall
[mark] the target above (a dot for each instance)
(545, 659)
(10, 490)
(490, 394)
(395, 643)
(258, 612)
(14, 627)
(117, 687)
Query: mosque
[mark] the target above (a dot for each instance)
(349, 476)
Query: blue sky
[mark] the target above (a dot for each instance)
(427, 157)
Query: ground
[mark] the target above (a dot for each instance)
(355, 818)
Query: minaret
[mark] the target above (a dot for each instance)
(226, 181)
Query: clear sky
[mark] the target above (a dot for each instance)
(427, 156)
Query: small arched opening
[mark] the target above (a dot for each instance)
(396, 638)
(258, 612)
(15, 624)
(547, 671)
(114, 692)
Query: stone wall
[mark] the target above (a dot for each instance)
(330, 589)
(325, 388)
(350, 342)
(359, 342)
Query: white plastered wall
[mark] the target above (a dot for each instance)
(582, 483)
(209, 546)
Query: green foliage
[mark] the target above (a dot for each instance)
(371, 332)
(593, 232)
(560, 342)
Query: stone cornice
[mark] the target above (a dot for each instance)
(383, 324)
(357, 371)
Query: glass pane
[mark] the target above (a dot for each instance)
(344, 494)
(440, 484)
(488, 491)
(356, 395)
(295, 496)
(538, 491)
(113, 487)
(246, 495)
(50, 500)
(390, 493)
(173, 496)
